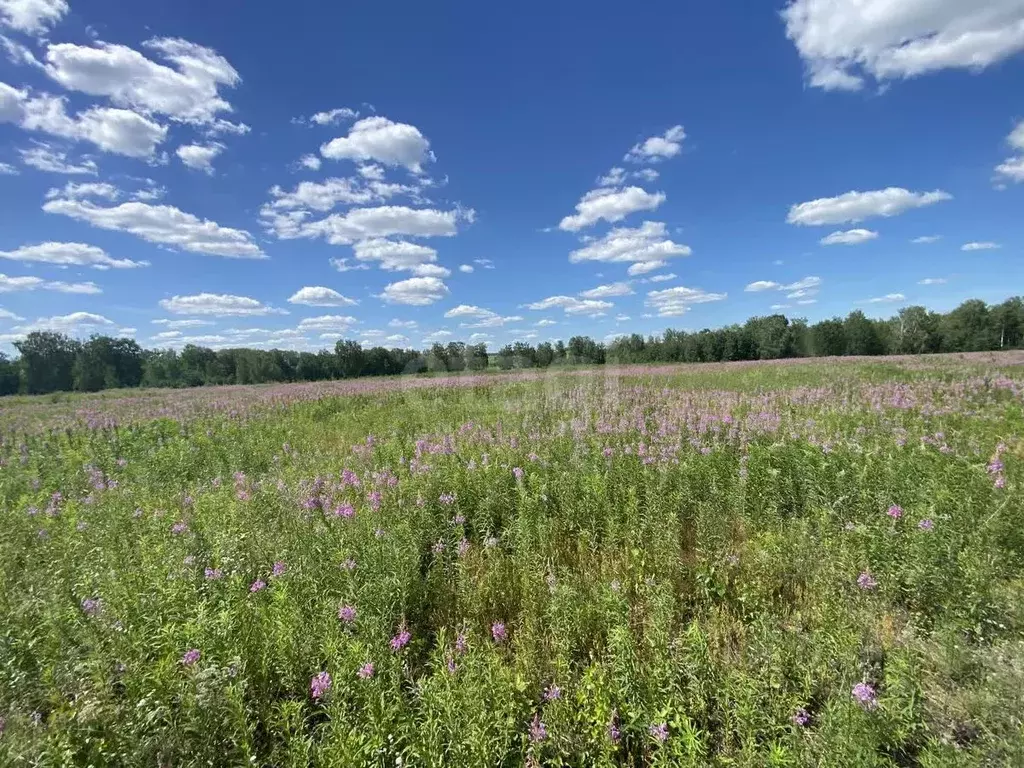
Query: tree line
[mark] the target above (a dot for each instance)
(53, 362)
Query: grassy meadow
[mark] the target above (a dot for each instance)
(726, 565)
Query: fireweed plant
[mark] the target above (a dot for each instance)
(727, 565)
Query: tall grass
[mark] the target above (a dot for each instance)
(749, 567)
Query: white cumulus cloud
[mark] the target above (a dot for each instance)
(69, 255)
(118, 131)
(850, 237)
(164, 225)
(416, 291)
(573, 306)
(32, 283)
(187, 92)
(332, 116)
(44, 157)
(673, 302)
(74, 323)
(326, 323)
(483, 318)
(1012, 168)
(610, 204)
(218, 305)
(607, 291)
(658, 148)
(845, 42)
(319, 296)
(384, 141)
(33, 17)
(199, 157)
(889, 298)
(854, 207)
(983, 246)
(646, 243)
(643, 267)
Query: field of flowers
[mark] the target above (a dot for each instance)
(728, 565)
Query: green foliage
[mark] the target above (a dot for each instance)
(677, 567)
(53, 362)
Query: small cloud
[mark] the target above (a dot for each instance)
(983, 246)
(850, 237)
(889, 298)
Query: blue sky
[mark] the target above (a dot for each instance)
(265, 175)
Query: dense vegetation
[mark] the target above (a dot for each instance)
(789, 565)
(52, 362)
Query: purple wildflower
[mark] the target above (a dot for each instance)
(366, 671)
(191, 657)
(212, 574)
(458, 520)
(613, 727)
(279, 568)
(552, 692)
(349, 565)
(257, 585)
(800, 717)
(895, 512)
(1000, 482)
(450, 665)
(518, 472)
(926, 525)
(498, 632)
(319, 685)
(399, 641)
(438, 547)
(865, 696)
(607, 453)
(91, 606)
(866, 581)
(460, 642)
(347, 614)
(446, 498)
(179, 528)
(995, 467)
(463, 547)
(538, 731)
(345, 510)
(660, 732)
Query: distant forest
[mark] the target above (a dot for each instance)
(52, 362)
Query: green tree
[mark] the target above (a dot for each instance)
(10, 376)
(969, 328)
(862, 336)
(351, 359)
(828, 338)
(47, 361)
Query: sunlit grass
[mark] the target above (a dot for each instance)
(734, 566)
